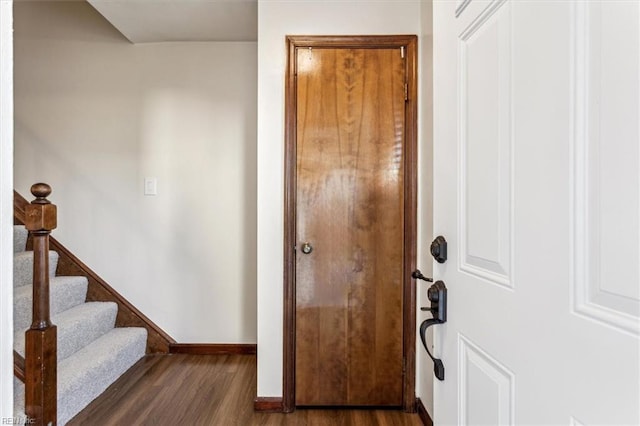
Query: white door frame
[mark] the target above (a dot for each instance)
(6, 208)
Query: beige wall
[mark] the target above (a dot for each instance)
(95, 114)
(424, 365)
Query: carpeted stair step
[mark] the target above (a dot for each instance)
(65, 293)
(23, 267)
(87, 373)
(20, 235)
(18, 400)
(77, 327)
(92, 354)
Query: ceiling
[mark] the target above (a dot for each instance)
(150, 21)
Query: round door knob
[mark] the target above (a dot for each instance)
(306, 248)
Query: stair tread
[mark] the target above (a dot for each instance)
(20, 235)
(65, 293)
(23, 267)
(29, 254)
(87, 373)
(92, 354)
(77, 327)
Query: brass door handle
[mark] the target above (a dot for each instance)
(306, 248)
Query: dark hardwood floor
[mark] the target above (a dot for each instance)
(208, 390)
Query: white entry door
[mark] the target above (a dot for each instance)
(537, 190)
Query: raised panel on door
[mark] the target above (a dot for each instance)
(484, 128)
(350, 210)
(607, 163)
(605, 216)
(537, 106)
(486, 387)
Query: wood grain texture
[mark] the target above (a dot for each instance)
(99, 290)
(213, 348)
(422, 413)
(408, 161)
(19, 204)
(18, 366)
(41, 372)
(352, 41)
(268, 404)
(289, 255)
(205, 390)
(40, 352)
(410, 222)
(350, 193)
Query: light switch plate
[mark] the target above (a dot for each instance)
(150, 186)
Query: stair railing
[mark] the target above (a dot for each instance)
(41, 338)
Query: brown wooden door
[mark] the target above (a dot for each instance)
(350, 143)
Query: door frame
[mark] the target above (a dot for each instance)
(409, 43)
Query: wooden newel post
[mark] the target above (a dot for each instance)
(41, 338)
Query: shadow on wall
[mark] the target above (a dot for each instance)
(103, 114)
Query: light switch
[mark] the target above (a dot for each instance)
(150, 186)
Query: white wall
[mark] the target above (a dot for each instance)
(95, 114)
(275, 20)
(6, 209)
(424, 365)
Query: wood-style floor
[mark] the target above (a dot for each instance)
(208, 390)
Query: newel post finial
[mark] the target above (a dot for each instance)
(41, 215)
(41, 191)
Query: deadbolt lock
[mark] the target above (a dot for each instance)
(439, 249)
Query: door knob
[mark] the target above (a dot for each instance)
(306, 248)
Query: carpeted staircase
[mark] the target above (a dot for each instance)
(92, 354)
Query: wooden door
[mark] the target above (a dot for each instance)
(350, 226)
(536, 184)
